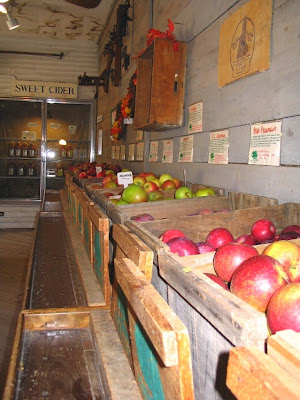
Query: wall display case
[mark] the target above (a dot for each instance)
(160, 86)
(31, 156)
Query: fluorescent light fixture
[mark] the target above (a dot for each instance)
(3, 1)
(62, 142)
(3, 9)
(12, 22)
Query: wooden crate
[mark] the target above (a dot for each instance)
(160, 86)
(155, 340)
(100, 250)
(100, 196)
(252, 374)
(84, 182)
(86, 202)
(78, 207)
(184, 207)
(66, 354)
(216, 320)
(72, 201)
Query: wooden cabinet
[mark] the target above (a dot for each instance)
(160, 86)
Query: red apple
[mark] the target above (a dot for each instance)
(164, 177)
(139, 180)
(219, 236)
(256, 279)
(171, 234)
(177, 183)
(103, 165)
(288, 254)
(293, 228)
(100, 174)
(229, 256)
(283, 310)
(246, 239)
(183, 246)
(262, 230)
(150, 186)
(83, 175)
(168, 185)
(218, 280)
(117, 168)
(204, 247)
(134, 194)
(155, 195)
(142, 217)
(183, 193)
(109, 184)
(289, 235)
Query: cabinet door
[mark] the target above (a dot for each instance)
(68, 139)
(20, 149)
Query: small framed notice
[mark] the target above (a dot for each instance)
(265, 144)
(117, 153)
(113, 152)
(186, 149)
(139, 135)
(153, 151)
(122, 152)
(28, 135)
(195, 117)
(140, 151)
(131, 152)
(167, 156)
(218, 147)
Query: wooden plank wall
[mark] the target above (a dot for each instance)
(266, 96)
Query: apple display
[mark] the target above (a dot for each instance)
(205, 192)
(156, 181)
(155, 195)
(288, 254)
(150, 186)
(177, 183)
(256, 279)
(149, 177)
(168, 185)
(218, 280)
(100, 174)
(246, 239)
(134, 194)
(229, 256)
(218, 237)
(171, 234)
(283, 311)
(263, 230)
(183, 193)
(83, 175)
(182, 246)
(110, 171)
(109, 184)
(142, 217)
(204, 247)
(164, 177)
(289, 235)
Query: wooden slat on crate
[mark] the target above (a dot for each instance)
(157, 337)
(253, 375)
(134, 248)
(239, 200)
(284, 348)
(100, 249)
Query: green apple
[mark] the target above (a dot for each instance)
(125, 170)
(149, 177)
(155, 195)
(205, 192)
(183, 193)
(134, 194)
(156, 181)
(165, 177)
(139, 180)
(121, 202)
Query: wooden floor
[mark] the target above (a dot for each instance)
(15, 247)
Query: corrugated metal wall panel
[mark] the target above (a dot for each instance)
(79, 57)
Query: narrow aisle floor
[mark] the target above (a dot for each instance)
(15, 247)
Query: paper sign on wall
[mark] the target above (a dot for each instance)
(186, 149)
(218, 147)
(131, 152)
(125, 178)
(195, 117)
(122, 152)
(100, 137)
(167, 156)
(28, 135)
(140, 151)
(265, 144)
(139, 135)
(153, 151)
(113, 152)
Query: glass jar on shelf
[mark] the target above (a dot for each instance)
(31, 169)
(31, 150)
(21, 169)
(24, 148)
(59, 170)
(18, 149)
(11, 149)
(69, 151)
(63, 151)
(11, 169)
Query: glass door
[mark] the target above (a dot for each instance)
(70, 133)
(20, 149)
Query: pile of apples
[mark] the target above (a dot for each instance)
(270, 281)
(87, 170)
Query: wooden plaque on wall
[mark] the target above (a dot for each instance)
(244, 47)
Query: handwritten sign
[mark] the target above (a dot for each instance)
(125, 178)
(153, 151)
(122, 152)
(186, 149)
(218, 147)
(140, 151)
(167, 156)
(131, 152)
(265, 144)
(195, 117)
